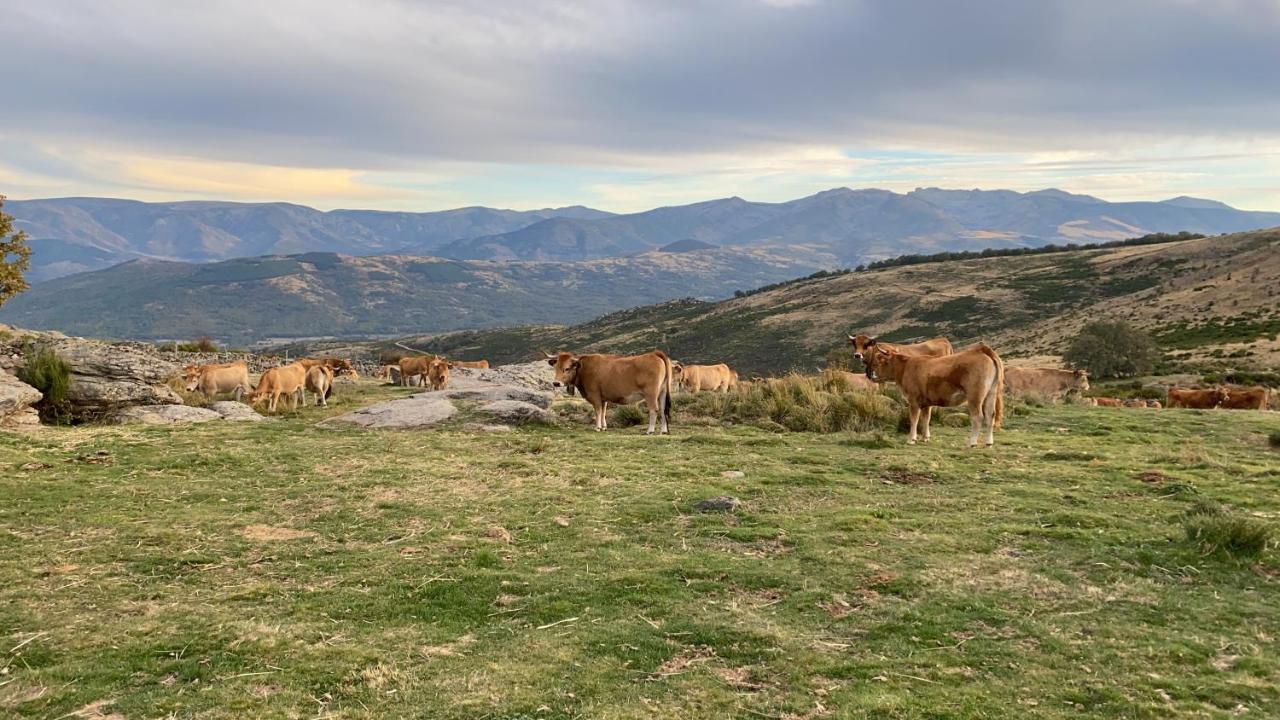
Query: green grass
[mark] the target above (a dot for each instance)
(282, 570)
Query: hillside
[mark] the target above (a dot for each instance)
(861, 225)
(1203, 299)
(70, 235)
(325, 294)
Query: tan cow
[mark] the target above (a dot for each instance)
(438, 374)
(1045, 382)
(855, 381)
(339, 366)
(287, 380)
(213, 379)
(472, 364)
(604, 379)
(699, 378)
(319, 382)
(1154, 404)
(389, 372)
(977, 374)
(937, 347)
(1135, 403)
(413, 370)
(1246, 398)
(1198, 399)
(1106, 402)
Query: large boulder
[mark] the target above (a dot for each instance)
(163, 415)
(499, 393)
(105, 377)
(515, 412)
(406, 414)
(236, 411)
(16, 400)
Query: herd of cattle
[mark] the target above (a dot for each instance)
(929, 374)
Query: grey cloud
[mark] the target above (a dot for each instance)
(391, 84)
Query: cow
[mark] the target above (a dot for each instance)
(472, 364)
(1135, 403)
(1198, 399)
(390, 373)
(320, 382)
(1045, 382)
(213, 379)
(414, 369)
(854, 381)
(1106, 402)
(697, 378)
(287, 380)
(1246, 398)
(339, 366)
(926, 382)
(937, 347)
(604, 379)
(438, 374)
(1154, 404)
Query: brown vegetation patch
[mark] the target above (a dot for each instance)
(906, 477)
(448, 649)
(268, 533)
(1153, 476)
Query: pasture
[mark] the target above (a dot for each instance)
(283, 570)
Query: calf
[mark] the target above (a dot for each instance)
(604, 379)
(319, 381)
(1046, 382)
(977, 374)
(472, 364)
(1198, 399)
(287, 380)
(415, 369)
(699, 378)
(213, 379)
(390, 373)
(1106, 402)
(854, 381)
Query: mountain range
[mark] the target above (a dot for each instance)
(70, 235)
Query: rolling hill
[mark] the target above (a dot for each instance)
(1203, 299)
(327, 294)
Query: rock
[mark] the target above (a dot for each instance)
(733, 474)
(514, 412)
(413, 412)
(719, 503)
(108, 376)
(499, 393)
(478, 427)
(236, 411)
(16, 399)
(535, 375)
(163, 415)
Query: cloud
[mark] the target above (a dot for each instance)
(631, 90)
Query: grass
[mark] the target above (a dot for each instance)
(43, 370)
(282, 570)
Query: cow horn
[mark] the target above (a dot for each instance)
(851, 338)
(546, 354)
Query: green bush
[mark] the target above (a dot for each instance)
(798, 403)
(43, 370)
(1230, 534)
(1274, 439)
(200, 344)
(1111, 349)
(628, 415)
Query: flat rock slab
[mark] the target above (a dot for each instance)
(418, 411)
(492, 394)
(163, 415)
(236, 412)
(514, 412)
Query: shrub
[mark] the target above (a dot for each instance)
(798, 403)
(203, 344)
(1110, 349)
(1230, 534)
(1274, 440)
(628, 415)
(43, 370)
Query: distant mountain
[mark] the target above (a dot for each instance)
(77, 234)
(686, 245)
(326, 294)
(860, 225)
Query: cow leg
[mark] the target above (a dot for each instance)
(928, 416)
(989, 409)
(915, 420)
(975, 421)
(652, 404)
(664, 399)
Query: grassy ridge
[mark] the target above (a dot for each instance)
(278, 570)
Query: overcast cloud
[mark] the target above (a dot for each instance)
(423, 105)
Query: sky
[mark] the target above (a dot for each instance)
(630, 104)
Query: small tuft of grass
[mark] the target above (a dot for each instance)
(1229, 534)
(43, 370)
(1274, 440)
(628, 416)
(797, 403)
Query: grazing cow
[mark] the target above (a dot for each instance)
(697, 378)
(1135, 403)
(389, 372)
(320, 382)
(976, 373)
(213, 379)
(287, 380)
(472, 364)
(1106, 402)
(1199, 399)
(1246, 398)
(438, 374)
(1045, 382)
(604, 379)
(937, 347)
(1154, 404)
(413, 370)
(855, 381)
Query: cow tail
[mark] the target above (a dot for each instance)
(998, 389)
(668, 380)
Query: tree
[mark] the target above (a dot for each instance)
(15, 257)
(1111, 349)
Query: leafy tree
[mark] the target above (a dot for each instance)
(1111, 349)
(15, 257)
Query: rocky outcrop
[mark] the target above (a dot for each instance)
(236, 411)
(419, 411)
(16, 400)
(162, 415)
(515, 412)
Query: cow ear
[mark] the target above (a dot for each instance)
(871, 342)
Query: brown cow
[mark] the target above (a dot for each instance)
(855, 381)
(213, 379)
(413, 370)
(320, 382)
(1154, 404)
(1246, 398)
(389, 372)
(604, 379)
(438, 374)
(472, 364)
(697, 378)
(1135, 403)
(1106, 402)
(284, 380)
(1199, 399)
(937, 347)
(977, 373)
(1045, 382)
(339, 366)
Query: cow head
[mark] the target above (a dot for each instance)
(566, 366)
(342, 366)
(1220, 395)
(878, 361)
(438, 374)
(862, 344)
(191, 378)
(1080, 381)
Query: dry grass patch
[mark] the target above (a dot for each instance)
(268, 533)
